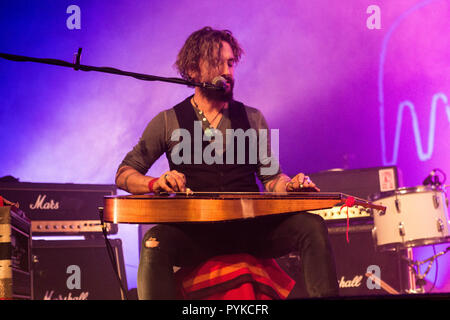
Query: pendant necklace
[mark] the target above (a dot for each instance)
(209, 128)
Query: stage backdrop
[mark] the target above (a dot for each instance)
(349, 84)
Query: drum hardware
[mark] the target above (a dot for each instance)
(414, 267)
(374, 238)
(433, 178)
(397, 205)
(411, 273)
(435, 201)
(440, 225)
(401, 229)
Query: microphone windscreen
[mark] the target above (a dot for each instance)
(220, 82)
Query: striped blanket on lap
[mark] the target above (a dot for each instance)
(234, 277)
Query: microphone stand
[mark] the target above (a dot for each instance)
(77, 66)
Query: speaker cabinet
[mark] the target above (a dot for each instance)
(77, 270)
(353, 261)
(15, 254)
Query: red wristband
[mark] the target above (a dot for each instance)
(150, 184)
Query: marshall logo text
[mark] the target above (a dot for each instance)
(372, 270)
(354, 283)
(50, 295)
(42, 204)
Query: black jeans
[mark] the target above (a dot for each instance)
(168, 245)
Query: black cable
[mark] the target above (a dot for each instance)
(444, 177)
(111, 254)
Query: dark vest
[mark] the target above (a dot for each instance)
(216, 177)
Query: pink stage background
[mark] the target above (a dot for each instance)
(329, 83)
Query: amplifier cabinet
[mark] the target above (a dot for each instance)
(57, 208)
(15, 254)
(353, 261)
(360, 256)
(360, 183)
(77, 270)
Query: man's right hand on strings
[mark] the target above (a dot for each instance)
(134, 182)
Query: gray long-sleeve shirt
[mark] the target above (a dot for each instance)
(156, 140)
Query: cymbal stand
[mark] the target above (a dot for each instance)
(414, 266)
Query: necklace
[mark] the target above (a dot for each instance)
(205, 121)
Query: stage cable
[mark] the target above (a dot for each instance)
(112, 256)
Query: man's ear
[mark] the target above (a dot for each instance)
(193, 75)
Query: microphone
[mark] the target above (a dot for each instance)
(220, 82)
(430, 179)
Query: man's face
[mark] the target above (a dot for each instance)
(224, 68)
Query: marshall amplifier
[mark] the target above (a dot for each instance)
(359, 257)
(15, 254)
(61, 208)
(77, 270)
(355, 261)
(361, 183)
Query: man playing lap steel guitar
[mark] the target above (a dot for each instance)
(209, 163)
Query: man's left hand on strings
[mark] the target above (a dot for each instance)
(300, 183)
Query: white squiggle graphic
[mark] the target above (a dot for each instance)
(438, 96)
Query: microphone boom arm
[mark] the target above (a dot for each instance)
(77, 66)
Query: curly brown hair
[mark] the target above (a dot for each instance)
(205, 44)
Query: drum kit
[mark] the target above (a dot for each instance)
(414, 217)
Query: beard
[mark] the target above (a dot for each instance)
(220, 95)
